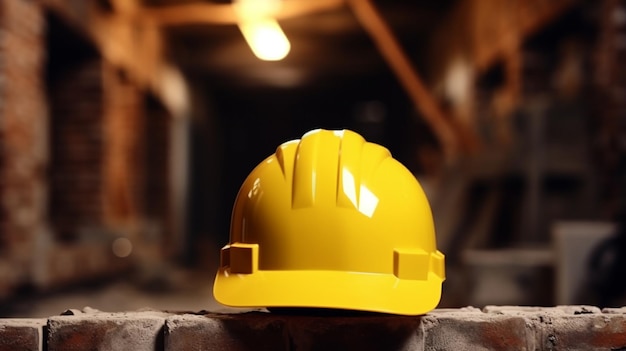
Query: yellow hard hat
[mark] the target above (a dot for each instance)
(331, 221)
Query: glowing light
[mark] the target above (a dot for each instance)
(266, 39)
(262, 33)
(122, 247)
(250, 9)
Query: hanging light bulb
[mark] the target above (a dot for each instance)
(266, 39)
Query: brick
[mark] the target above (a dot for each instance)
(517, 310)
(576, 310)
(77, 136)
(21, 334)
(267, 331)
(617, 310)
(248, 331)
(587, 331)
(570, 327)
(22, 135)
(358, 332)
(512, 310)
(457, 330)
(136, 331)
(461, 309)
(494, 328)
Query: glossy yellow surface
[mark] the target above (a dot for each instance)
(331, 221)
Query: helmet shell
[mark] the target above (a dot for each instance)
(331, 221)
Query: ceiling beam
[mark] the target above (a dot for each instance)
(224, 14)
(392, 52)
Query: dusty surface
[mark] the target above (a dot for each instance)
(178, 290)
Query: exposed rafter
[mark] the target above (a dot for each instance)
(223, 14)
(390, 49)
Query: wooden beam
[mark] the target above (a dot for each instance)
(224, 14)
(517, 20)
(535, 14)
(421, 97)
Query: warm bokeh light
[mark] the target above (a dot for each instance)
(266, 39)
(122, 247)
(249, 9)
(261, 30)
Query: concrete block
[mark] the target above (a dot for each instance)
(21, 334)
(233, 332)
(465, 330)
(135, 331)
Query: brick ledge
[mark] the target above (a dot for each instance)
(490, 328)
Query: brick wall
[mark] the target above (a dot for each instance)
(610, 106)
(76, 147)
(74, 153)
(107, 170)
(23, 131)
(156, 164)
(492, 328)
(123, 125)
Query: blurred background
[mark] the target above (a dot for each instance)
(127, 127)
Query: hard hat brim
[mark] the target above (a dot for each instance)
(374, 292)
